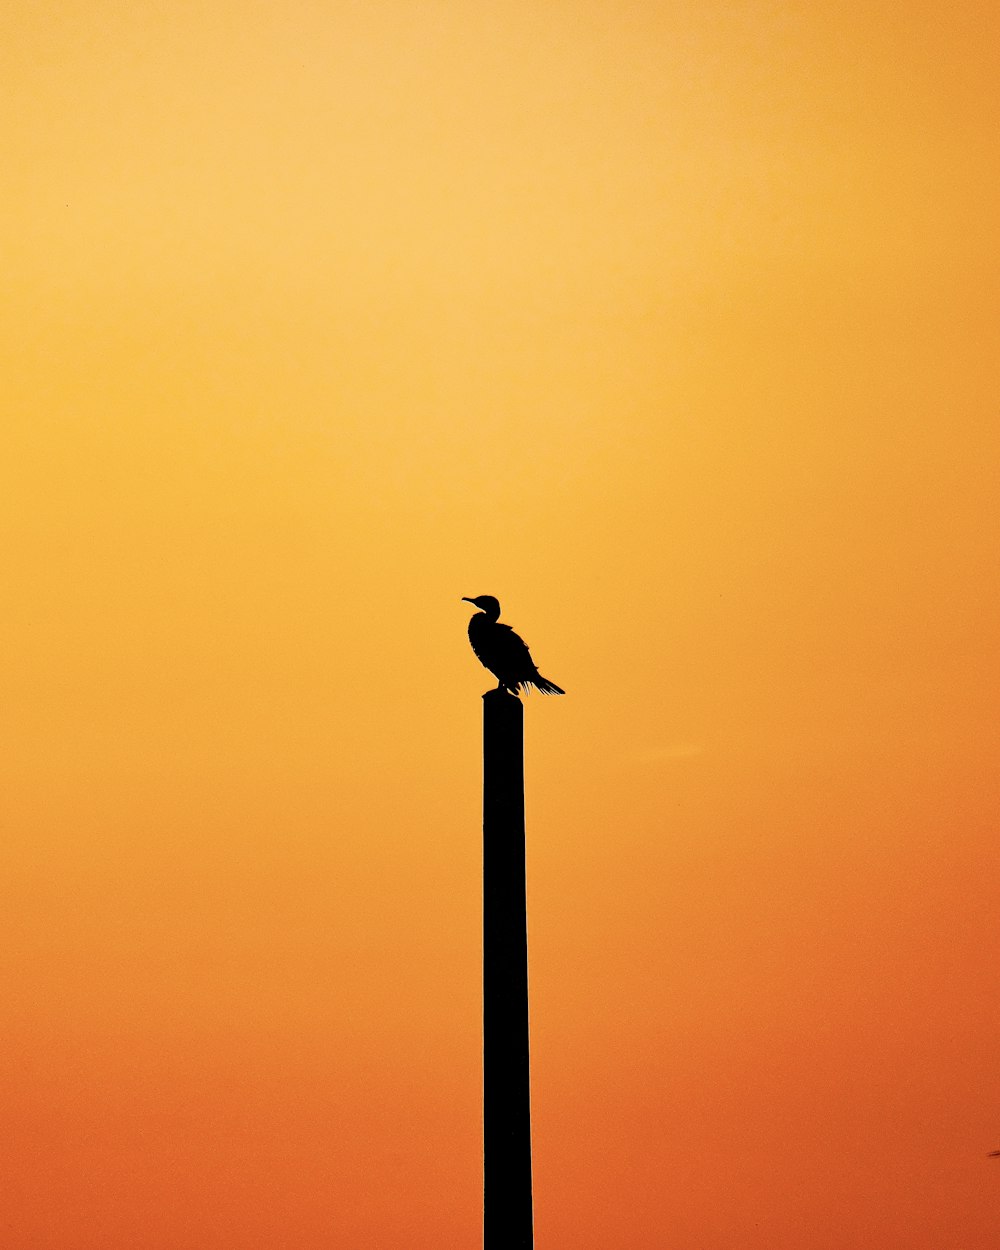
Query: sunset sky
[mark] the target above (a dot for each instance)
(674, 326)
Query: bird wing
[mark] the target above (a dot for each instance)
(500, 650)
(506, 655)
(512, 652)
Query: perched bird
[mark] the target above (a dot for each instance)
(500, 650)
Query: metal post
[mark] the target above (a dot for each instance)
(507, 1212)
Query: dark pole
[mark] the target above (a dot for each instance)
(507, 1223)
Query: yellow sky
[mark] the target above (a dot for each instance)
(674, 327)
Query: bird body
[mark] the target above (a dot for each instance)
(500, 650)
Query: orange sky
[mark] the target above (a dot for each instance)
(674, 327)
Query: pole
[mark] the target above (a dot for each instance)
(507, 1216)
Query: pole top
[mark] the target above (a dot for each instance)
(497, 694)
(500, 707)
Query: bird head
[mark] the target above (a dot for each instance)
(487, 603)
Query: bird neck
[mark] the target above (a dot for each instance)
(491, 614)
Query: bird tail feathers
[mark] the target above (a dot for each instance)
(545, 686)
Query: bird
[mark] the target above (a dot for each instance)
(500, 650)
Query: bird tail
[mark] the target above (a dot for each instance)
(545, 686)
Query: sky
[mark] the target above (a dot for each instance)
(673, 326)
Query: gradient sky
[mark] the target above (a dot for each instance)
(673, 325)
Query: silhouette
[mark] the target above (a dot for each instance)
(500, 650)
(507, 1203)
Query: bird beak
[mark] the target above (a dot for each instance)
(466, 599)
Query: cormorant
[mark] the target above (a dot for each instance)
(500, 650)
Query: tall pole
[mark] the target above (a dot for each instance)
(507, 1217)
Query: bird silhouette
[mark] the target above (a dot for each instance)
(500, 650)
